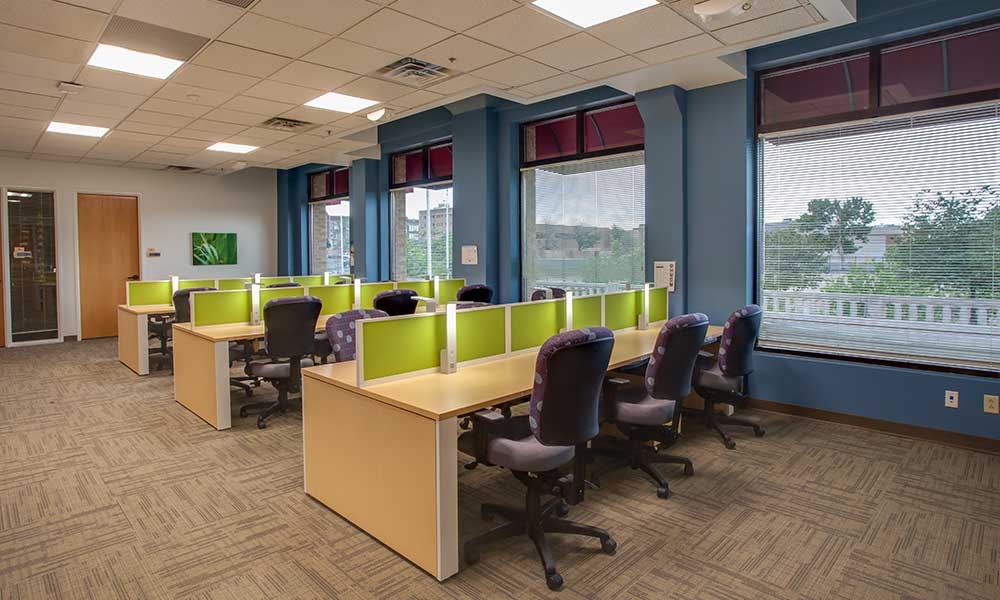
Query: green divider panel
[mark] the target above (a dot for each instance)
(422, 287)
(144, 293)
(657, 304)
(448, 289)
(308, 280)
(369, 290)
(533, 323)
(222, 308)
(266, 281)
(621, 310)
(586, 312)
(184, 284)
(267, 295)
(234, 284)
(336, 298)
(420, 338)
(480, 333)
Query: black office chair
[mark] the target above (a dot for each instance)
(285, 284)
(289, 327)
(396, 302)
(724, 379)
(479, 292)
(565, 401)
(649, 411)
(540, 294)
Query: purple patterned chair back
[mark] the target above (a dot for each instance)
(671, 364)
(569, 374)
(396, 302)
(540, 294)
(478, 292)
(341, 328)
(738, 340)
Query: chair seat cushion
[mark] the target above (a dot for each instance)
(272, 370)
(714, 379)
(527, 454)
(645, 411)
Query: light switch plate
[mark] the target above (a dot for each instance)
(991, 404)
(470, 255)
(951, 399)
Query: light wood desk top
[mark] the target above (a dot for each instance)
(438, 396)
(232, 333)
(148, 309)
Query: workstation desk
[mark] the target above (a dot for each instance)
(385, 456)
(133, 334)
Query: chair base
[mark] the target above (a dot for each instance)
(638, 456)
(535, 521)
(714, 419)
(267, 409)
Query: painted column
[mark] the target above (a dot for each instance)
(475, 220)
(365, 217)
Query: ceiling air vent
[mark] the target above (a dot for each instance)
(413, 71)
(182, 169)
(284, 124)
(240, 3)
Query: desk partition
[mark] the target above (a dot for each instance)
(145, 293)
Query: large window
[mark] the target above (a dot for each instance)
(330, 228)
(422, 208)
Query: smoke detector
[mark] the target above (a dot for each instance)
(714, 8)
(413, 71)
(285, 124)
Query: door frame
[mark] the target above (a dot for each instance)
(76, 243)
(5, 246)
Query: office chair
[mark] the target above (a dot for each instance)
(649, 412)
(182, 314)
(285, 284)
(565, 401)
(723, 379)
(340, 330)
(289, 328)
(396, 302)
(160, 328)
(465, 305)
(238, 351)
(479, 292)
(539, 294)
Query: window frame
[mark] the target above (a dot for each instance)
(331, 192)
(580, 154)
(309, 218)
(439, 183)
(427, 180)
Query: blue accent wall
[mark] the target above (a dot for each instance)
(365, 217)
(293, 218)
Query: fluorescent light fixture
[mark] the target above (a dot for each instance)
(130, 61)
(71, 129)
(232, 148)
(18, 194)
(587, 13)
(341, 103)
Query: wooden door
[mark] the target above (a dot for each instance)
(109, 255)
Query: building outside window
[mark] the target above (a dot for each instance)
(330, 222)
(422, 212)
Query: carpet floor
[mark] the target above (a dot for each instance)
(110, 489)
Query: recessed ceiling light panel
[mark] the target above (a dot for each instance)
(587, 13)
(233, 148)
(341, 103)
(71, 129)
(130, 61)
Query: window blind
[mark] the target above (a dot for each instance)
(882, 239)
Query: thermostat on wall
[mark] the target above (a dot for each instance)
(152, 253)
(470, 255)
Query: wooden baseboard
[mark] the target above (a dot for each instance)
(925, 433)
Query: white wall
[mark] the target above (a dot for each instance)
(171, 207)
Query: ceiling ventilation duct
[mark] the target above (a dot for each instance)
(240, 3)
(285, 124)
(415, 72)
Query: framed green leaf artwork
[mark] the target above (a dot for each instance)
(213, 249)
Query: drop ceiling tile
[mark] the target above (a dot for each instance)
(680, 49)
(207, 137)
(217, 126)
(128, 136)
(460, 83)
(65, 145)
(644, 29)
(16, 124)
(44, 45)
(575, 52)
(395, 32)
(305, 140)
(351, 122)
(19, 140)
(349, 56)
(162, 119)
(282, 92)
(180, 145)
(457, 15)
(160, 158)
(118, 152)
(269, 154)
(521, 30)
(29, 100)
(30, 85)
(45, 68)
(553, 84)
(153, 39)
(234, 116)
(171, 107)
(374, 89)
(262, 33)
(63, 116)
(66, 158)
(312, 115)
(418, 98)
(115, 80)
(610, 68)
(213, 79)
(142, 165)
(24, 112)
(313, 76)
(262, 135)
(200, 17)
(516, 71)
(468, 54)
(322, 15)
(101, 5)
(112, 97)
(75, 105)
(227, 57)
(100, 162)
(194, 95)
(783, 22)
(139, 127)
(760, 8)
(246, 104)
(54, 17)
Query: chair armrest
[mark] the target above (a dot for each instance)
(486, 423)
(706, 360)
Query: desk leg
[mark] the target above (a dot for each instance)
(391, 472)
(133, 341)
(201, 378)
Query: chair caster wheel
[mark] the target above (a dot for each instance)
(730, 444)
(757, 431)
(554, 581)
(688, 470)
(562, 509)
(609, 546)
(663, 492)
(261, 424)
(243, 413)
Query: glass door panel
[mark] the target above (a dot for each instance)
(32, 259)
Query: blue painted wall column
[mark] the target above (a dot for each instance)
(286, 248)
(365, 217)
(664, 114)
(474, 135)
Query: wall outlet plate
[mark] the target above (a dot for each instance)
(951, 399)
(991, 404)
